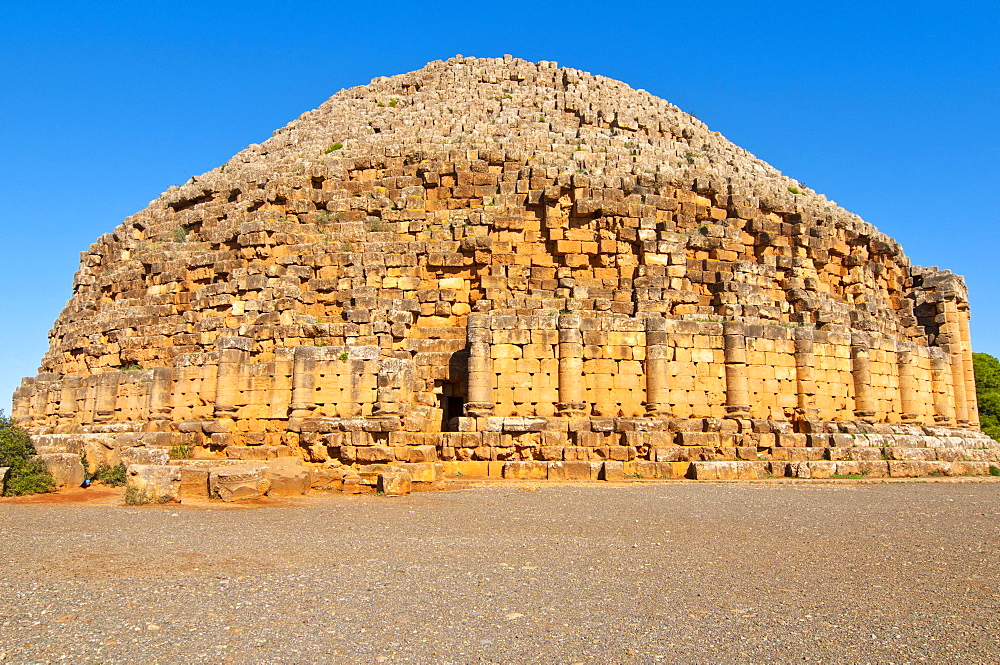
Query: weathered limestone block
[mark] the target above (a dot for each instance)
(657, 470)
(288, 477)
(136, 455)
(573, 470)
(66, 468)
(525, 470)
(723, 470)
(423, 472)
(375, 454)
(612, 471)
(194, 484)
(394, 483)
(159, 482)
(233, 483)
(4, 476)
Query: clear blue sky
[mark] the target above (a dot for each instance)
(889, 108)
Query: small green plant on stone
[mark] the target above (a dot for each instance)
(393, 103)
(28, 474)
(180, 234)
(180, 452)
(343, 356)
(136, 497)
(994, 470)
(133, 367)
(794, 190)
(333, 146)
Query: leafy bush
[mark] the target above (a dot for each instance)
(136, 497)
(112, 476)
(987, 370)
(28, 474)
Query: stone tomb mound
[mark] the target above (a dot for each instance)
(492, 267)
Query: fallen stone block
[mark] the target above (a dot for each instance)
(159, 483)
(394, 483)
(194, 484)
(66, 468)
(288, 477)
(233, 483)
(326, 477)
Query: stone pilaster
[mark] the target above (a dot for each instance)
(737, 386)
(861, 373)
(944, 407)
(481, 402)
(658, 356)
(304, 371)
(160, 389)
(232, 354)
(908, 402)
(970, 377)
(107, 396)
(571, 386)
(805, 380)
(951, 331)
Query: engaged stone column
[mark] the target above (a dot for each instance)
(68, 396)
(908, 403)
(160, 389)
(864, 400)
(658, 356)
(480, 401)
(571, 384)
(953, 335)
(737, 387)
(944, 410)
(107, 396)
(805, 379)
(304, 381)
(232, 354)
(970, 376)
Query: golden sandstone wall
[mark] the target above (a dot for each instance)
(508, 262)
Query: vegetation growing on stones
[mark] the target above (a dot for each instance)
(28, 474)
(987, 370)
(180, 452)
(112, 476)
(136, 497)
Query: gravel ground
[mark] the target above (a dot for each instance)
(597, 573)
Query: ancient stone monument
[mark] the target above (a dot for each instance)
(497, 267)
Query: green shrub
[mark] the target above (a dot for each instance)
(334, 146)
(794, 190)
(180, 234)
(994, 470)
(28, 473)
(136, 497)
(112, 476)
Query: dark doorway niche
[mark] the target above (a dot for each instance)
(452, 406)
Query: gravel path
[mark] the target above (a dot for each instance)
(601, 573)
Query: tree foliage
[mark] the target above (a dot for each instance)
(987, 370)
(28, 474)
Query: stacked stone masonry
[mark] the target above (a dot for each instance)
(512, 269)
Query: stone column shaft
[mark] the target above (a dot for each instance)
(232, 354)
(952, 333)
(908, 402)
(737, 384)
(304, 371)
(160, 389)
(970, 376)
(804, 374)
(864, 400)
(944, 409)
(571, 383)
(107, 396)
(480, 402)
(658, 356)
